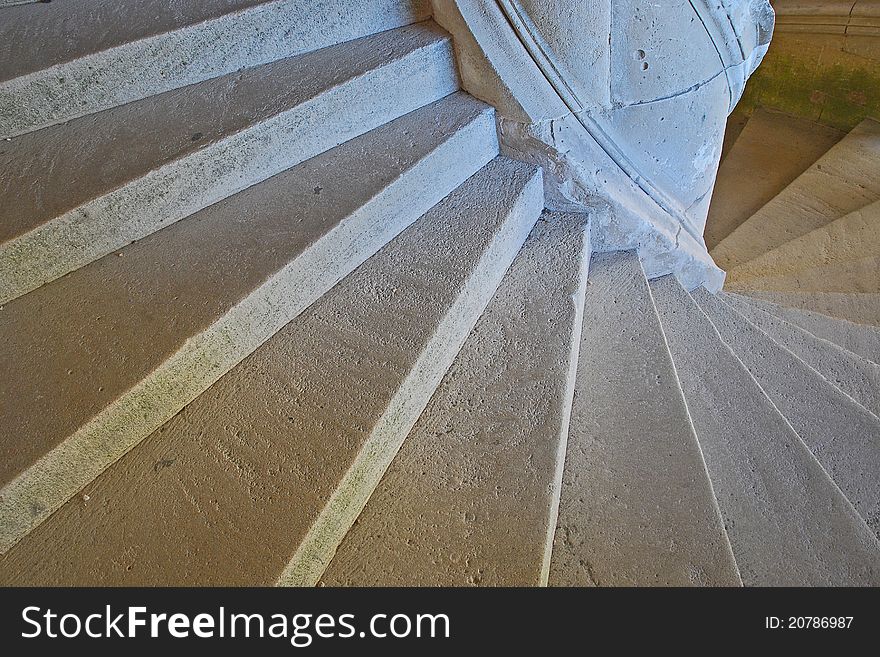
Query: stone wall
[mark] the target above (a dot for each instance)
(823, 63)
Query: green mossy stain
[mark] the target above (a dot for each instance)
(816, 82)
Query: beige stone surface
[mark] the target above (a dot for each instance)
(842, 435)
(471, 497)
(227, 490)
(858, 307)
(853, 237)
(845, 179)
(788, 523)
(97, 54)
(857, 338)
(637, 507)
(845, 276)
(69, 198)
(858, 377)
(99, 359)
(769, 153)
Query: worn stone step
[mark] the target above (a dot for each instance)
(788, 523)
(851, 238)
(97, 54)
(844, 276)
(471, 498)
(637, 507)
(857, 338)
(856, 376)
(843, 180)
(264, 473)
(771, 151)
(97, 360)
(860, 308)
(843, 436)
(73, 193)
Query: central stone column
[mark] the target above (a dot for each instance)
(623, 103)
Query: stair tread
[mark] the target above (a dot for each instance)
(845, 276)
(104, 53)
(83, 27)
(852, 237)
(234, 488)
(857, 307)
(771, 151)
(843, 180)
(857, 338)
(787, 521)
(637, 506)
(469, 498)
(102, 336)
(68, 197)
(856, 376)
(842, 434)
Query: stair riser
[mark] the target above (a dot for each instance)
(223, 168)
(250, 37)
(37, 492)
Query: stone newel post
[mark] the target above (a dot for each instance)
(623, 102)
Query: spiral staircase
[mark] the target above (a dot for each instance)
(284, 303)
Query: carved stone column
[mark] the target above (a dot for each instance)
(623, 102)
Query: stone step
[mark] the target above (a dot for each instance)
(857, 338)
(68, 198)
(856, 376)
(471, 498)
(843, 180)
(851, 238)
(843, 436)
(124, 343)
(265, 472)
(771, 151)
(788, 523)
(843, 276)
(97, 54)
(637, 506)
(860, 308)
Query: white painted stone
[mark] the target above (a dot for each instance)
(788, 523)
(112, 368)
(471, 498)
(857, 338)
(258, 124)
(654, 176)
(86, 81)
(842, 435)
(637, 507)
(647, 43)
